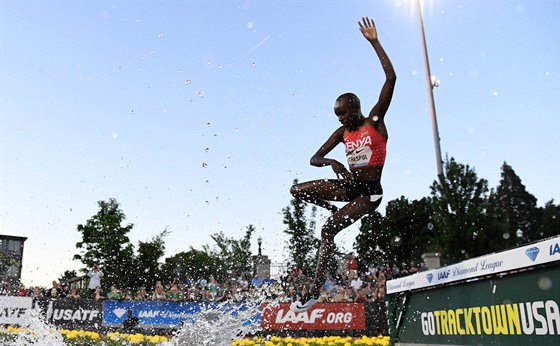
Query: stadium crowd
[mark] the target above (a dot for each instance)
(350, 285)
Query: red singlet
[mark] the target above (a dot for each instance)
(365, 147)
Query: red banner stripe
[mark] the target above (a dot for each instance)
(322, 316)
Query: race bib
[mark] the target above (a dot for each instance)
(358, 157)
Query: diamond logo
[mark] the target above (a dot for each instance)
(532, 253)
(430, 277)
(119, 312)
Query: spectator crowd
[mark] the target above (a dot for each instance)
(350, 285)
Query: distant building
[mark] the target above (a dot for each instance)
(11, 257)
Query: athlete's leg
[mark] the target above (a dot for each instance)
(320, 192)
(343, 218)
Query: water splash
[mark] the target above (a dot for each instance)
(218, 325)
(37, 332)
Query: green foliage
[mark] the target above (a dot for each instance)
(461, 219)
(233, 257)
(549, 220)
(459, 202)
(147, 269)
(68, 275)
(229, 258)
(105, 241)
(404, 233)
(517, 205)
(193, 264)
(302, 244)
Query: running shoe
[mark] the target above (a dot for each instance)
(303, 305)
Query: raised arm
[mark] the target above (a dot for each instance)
(367, 27)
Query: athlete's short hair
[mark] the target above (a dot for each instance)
(350, 97)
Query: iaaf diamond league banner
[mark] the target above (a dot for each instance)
(545, 251)
(171, 314)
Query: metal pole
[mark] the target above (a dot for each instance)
(439, 161)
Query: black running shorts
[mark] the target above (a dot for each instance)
(357, 188)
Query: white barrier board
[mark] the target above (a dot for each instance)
(542, 252)
(12, 309)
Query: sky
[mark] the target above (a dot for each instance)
(196, 116)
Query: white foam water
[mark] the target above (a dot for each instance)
(217, 326)
(214, 325)
(36, 332)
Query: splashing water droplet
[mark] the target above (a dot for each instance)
(545, 283)
(217, 324)
(37, 332)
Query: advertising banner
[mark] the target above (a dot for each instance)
(12, 309)
(322, 316)
(543, 252)
(72, 313)
(171, 314)
(517, 309)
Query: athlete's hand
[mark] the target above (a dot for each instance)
(340, 170)
(367, 27)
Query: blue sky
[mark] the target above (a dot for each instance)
(197, 115)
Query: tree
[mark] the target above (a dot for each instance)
(302, 244)
(549, 220)
(105, 241)
(193, 264)
(373, 240)
(496, 235)
(233, 256)
(459, 200)
(404, 233)
(147, 269)
(517, 207)
(68, 275)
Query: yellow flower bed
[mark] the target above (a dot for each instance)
(79, 337)
(323, 341)
(82, 337)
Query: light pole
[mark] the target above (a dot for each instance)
(431, 85)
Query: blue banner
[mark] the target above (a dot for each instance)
(171, 314)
